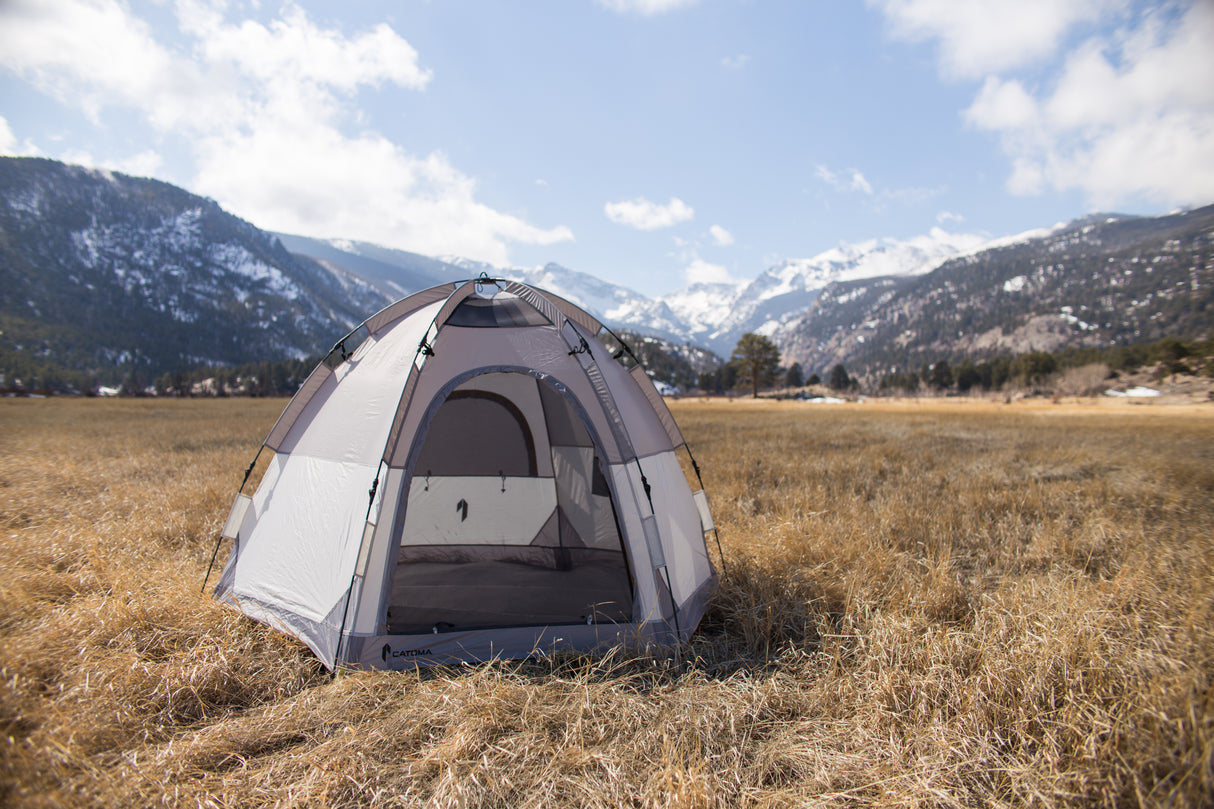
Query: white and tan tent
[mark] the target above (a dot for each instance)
(472, 474)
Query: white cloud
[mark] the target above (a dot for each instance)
(736, 62)
(1126, 116)
(646, 8)
(10, 146)
(949, 216)
(855, 180)
(977, 37)
(702, 272)
(642, 214)
(721, 236)
(294, 48)
(145, 164)
(1003, 105)
(365, 187)
(858, 183)
(8, 141)
(265, 111)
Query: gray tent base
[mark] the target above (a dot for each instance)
(402, 652)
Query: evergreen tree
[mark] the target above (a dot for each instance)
(756, 359)
(966, 375)
(839, 380)
(942, 375)
(795, 377)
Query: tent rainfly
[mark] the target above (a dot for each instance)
(471, 474)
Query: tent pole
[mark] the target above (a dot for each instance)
(219, 539)
(354, 576)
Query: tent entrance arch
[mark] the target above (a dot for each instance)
(508, 519)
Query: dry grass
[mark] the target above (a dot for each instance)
(927, 605)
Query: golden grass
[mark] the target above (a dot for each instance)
(926, 604)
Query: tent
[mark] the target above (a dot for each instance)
(470, 474)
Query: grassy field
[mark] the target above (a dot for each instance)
(940, 604)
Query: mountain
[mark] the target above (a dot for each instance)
(102, 274)
(710, 315)
(395, 273)
(1103, 280)
(772, 304)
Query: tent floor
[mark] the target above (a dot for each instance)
(455, 596)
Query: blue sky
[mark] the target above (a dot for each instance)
(649, 142)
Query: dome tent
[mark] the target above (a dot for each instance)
(472, 474)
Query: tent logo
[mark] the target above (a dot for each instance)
(387, 652)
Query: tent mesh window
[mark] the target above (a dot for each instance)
(509, 519)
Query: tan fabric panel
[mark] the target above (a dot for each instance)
(546, 301)
(407, 306)
(658, 404)
(637, 416)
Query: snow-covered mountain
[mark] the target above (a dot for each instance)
(713, 316)
(105, 274)
(716, 315)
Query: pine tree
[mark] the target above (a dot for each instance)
(795, 377)
(756, 358)
(839, 380)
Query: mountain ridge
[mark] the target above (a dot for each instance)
(101, 273)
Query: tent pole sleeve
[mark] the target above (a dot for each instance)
(219, 539)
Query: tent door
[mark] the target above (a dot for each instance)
(508, 519)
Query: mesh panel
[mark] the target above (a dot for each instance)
(501, 310)
(478, 433)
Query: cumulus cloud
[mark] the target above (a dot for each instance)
(1128, 115)
(949, 216)
(265, 111)
(721, 236)
(642, 214)
(646, 8)
(703, 272)
(977, 37)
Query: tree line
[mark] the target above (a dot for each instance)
(1170, 355)
(755, 365)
